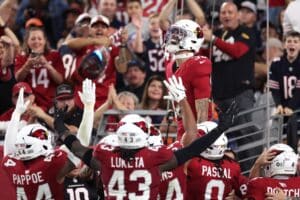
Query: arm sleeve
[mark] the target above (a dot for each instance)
(86, 126)
(11, 133)
(274, 85)
(235, 50)
(196, 147)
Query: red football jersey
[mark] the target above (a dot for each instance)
(208, 180)
(195, 73)
(36, 179)
(7, 189)
(39, 78)
(135, 179)
(258, 187)
(173, 183)
(103, 82)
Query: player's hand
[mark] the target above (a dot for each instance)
(21, 106)
(231, 196)
(287, 111)
(277, 195)
(176, 89)
(265, 158)
(226, 117)
(59, 116)
(279, 110)
(88, 94)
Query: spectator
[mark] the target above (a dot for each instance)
(108, 8)
(49, 12)
(7, 79)
(152, 98)
(39, 66)
(291, 20)
(285, 75)
(275, 7)
(124, 101)
(28, 95)
(116, 61)
(64, 97)
(233, 53)
(248, 18)
(151, 50)
(137, 21)
(135, 78)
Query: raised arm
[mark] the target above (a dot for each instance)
(177, 93)
(200, 144)
(81, 42)
(88, 98)
(197, 12)
(13, 125)
(72, 142)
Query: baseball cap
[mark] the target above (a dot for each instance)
(64, 91)
(82, 17)
(135, 63)
(18, 86)
(249, 5)
(33, 22)
(99, 18)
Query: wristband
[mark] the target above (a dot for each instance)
(213, 39)
(87, 157)
(123, 46)
(69, 140)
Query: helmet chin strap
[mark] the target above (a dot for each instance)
(184, 55)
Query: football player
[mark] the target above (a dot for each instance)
(133, 169)
(33, 166)
(213, 175)
(183, 39)
(280, 173)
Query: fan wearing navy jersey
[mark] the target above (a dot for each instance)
(133, 169)
(280, 173)
(33, 166)
(213, 175)
(151, 50)
(284, 73)
(184, 39)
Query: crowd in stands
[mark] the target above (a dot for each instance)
(55, 53)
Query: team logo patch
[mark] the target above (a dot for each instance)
(245, 36)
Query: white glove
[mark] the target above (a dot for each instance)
(88, 94)
(21, 106)
(176, 89)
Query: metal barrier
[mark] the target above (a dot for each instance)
(256, 129)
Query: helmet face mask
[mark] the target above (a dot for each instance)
(93, 65)
(153, 134)
(217, 149)
(184, 35)
(284, 163)
(33, 141)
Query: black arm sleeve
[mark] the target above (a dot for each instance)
(196, 147)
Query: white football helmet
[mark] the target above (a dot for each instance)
(154, 135)
(130, 136)
(184, 35)
(285, 163)
(32, 141)
(281, 147)
(111, 139)
(217, 149)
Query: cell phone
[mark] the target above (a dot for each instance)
(34, 54)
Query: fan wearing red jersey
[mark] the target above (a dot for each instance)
(40, 67)
(34, 168)
(133, 169)
(280, 173)
(116, 61)
(184, 39)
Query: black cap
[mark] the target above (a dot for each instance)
(136, 63)
(64, 91)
